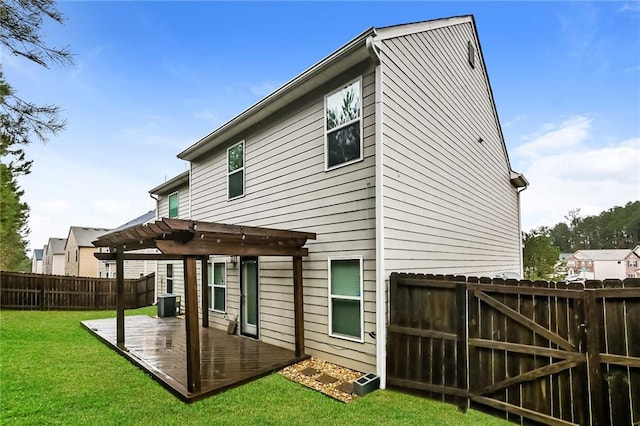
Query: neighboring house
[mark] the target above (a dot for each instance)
(79, 250)
(132, 268)
(598, 264)
(172, 202)
(36, 261)
(632, 262)
(391, 151)
(53, 257)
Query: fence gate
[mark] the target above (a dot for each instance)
(548, 352)
(525, 355)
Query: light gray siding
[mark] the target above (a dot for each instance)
(287, 188)
(448, 203)
(178, 270)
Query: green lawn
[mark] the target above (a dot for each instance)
(52, 371)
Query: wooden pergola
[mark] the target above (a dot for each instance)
(190, 241)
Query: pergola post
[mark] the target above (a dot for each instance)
(120, 297)
(204, 263)
(191, 323)
(298, 304)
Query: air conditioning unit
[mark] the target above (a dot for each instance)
(167, 305)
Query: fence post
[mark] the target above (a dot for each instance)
(593, 357)
(462, 342)
(42, 292)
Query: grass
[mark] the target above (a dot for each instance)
(52, 371)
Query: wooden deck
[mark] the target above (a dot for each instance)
(158, 346)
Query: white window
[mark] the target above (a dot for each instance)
(235, 171)
(345, 298)
(343, 115)
(217, 286)
(169, 278)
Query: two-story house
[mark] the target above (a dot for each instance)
(173, 202)
(391, 151)
(53, 258)
(598, 264)
(632, 262)
(36, 261)
(79, 250)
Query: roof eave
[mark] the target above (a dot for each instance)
(171, 184)
(356, 51)
(518, 180)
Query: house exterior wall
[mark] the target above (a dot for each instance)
(449, 206)
(36, 265)
(88, 264)
(178, 268)
(71, 256)
(287, 187)
(609, 269)
(54, 263)
(632, 265)
(57, 264)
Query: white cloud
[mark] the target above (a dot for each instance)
(632, 69)
(567, 172)
(555, 138)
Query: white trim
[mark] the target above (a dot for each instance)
(242, 169)
(359, 298)
(418, 27)
(177, 194)
(167, 278)
(381, 274)
(212, 285)
(326, 132)
(189, 191)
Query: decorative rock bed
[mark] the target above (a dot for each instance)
(330, 379)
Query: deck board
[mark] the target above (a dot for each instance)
(158, 346)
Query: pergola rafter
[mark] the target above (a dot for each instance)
(190, 241)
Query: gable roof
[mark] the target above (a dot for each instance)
(85, 235)
(363, 47)
(56, 245)
(144, 218)
(610, 255)
(37, 254)
(171, 185)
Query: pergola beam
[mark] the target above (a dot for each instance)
(138, 256)
(201, 247)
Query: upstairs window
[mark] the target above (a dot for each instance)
(235, 171)
(343, 115)
(345, 298)
(173, 205)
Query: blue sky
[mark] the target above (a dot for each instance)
(151, 78)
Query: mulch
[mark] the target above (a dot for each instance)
(330, 379)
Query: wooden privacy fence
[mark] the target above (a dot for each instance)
(57, 292)
(553, 353)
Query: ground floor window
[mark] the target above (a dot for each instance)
(345, 298)
(217, 287)
(169, 278)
